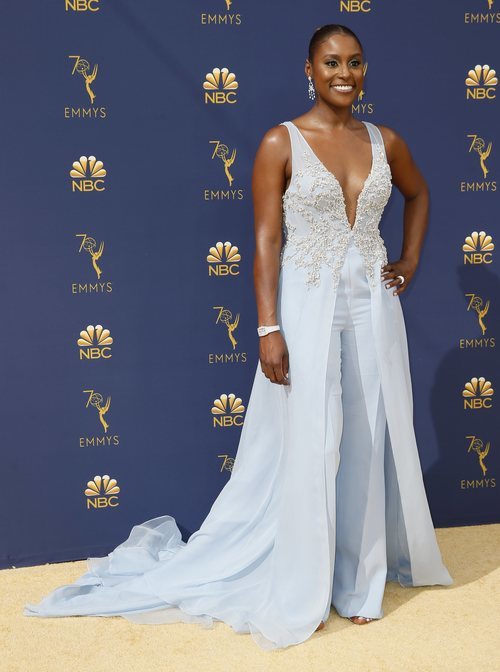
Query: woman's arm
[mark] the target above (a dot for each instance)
(268, 185)
(412, 185)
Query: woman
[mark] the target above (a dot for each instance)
(326, 500)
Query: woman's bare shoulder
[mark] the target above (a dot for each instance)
(393, 142)
(275, 136)
(275, 142)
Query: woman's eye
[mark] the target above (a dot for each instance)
(355, 63)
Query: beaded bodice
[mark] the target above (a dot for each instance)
(316, 230)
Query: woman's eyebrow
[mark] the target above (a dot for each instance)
(337, 56)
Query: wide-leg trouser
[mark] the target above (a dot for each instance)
(356, 424)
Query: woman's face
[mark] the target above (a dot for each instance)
(337, 61)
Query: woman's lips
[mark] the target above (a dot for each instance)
(343, 90)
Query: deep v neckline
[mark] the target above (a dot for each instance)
(335, 178)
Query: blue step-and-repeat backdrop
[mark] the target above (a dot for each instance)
(129, 346)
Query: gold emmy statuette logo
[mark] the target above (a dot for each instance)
(219, 19)
(95, 343)
(87, 174)
(489, 16)
(355, 6)
(483, 151)
(224, 317)
(222, 259)
(102, 492)
(478, 248)
(476, 304)
(362, 92)
(360, 106)
(227, 462)
(82, 5)
(82, 67)
(478, 447)
(481, 309)
(95, 251)
(480, 83)
(220, 86)
(221, 151)
(89, 245)
(228, 411)
(478, 146)
(97, 401)
(477, 393)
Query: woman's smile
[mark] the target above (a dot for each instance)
(343, 88)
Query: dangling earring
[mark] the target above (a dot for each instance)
(311, 90)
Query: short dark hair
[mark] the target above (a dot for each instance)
(323, 32)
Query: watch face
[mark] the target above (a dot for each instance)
(263, 331)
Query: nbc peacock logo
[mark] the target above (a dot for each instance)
(227, 411)
(481, 83)
(477, 393)
(220, 86)
(101, 492)
(223, 260)
(478, 248)
(95, 342)
(87, 175)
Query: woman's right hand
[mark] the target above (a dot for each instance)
(274, 357)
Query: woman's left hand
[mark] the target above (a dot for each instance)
(390, 272)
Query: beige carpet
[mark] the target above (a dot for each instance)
(435, 628)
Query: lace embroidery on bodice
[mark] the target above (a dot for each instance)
(316, 230)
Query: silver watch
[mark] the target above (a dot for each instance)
(263, 331)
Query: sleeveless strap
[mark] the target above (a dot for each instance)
(376, 136)
(296, 149)
(297, 139)
(292, 132)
